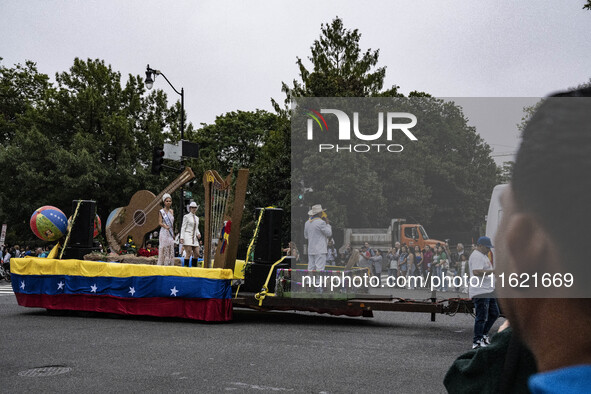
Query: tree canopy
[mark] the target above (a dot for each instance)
(86, 137)
(443, 182)
(91, 135)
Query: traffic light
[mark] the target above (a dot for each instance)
(303, 190)
(157, 160)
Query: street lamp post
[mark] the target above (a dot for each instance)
(150, 77)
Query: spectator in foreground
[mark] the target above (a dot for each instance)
(536, 234)
(537, 231)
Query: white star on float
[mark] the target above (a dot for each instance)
(93, 288)
(60, 285)
(131, 291)
(173, 291)
(23, 284)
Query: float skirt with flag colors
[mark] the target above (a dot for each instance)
(127, 289)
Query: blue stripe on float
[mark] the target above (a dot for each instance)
(128, 287)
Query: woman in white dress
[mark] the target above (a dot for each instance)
(166, 238)
(190, 234)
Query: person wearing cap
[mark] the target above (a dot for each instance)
(190, 234)
(482, 287)
(317, 231)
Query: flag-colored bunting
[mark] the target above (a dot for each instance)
(129, 289)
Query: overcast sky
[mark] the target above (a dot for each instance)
(233, 55)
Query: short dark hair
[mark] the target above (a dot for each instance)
(551, 172)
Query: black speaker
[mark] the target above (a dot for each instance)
(81, 234)
(268, 244)
(256, 275)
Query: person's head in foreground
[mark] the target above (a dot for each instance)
(544, 230)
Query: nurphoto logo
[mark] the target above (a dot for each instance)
(393, 122)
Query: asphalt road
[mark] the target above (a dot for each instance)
(257, 352)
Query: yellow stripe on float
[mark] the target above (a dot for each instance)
(46, 266)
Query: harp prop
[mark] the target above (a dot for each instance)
(222, 226)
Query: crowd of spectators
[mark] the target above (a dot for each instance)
(7, 252)
(403, 260)
(15, 251)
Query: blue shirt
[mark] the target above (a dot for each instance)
(575, 379)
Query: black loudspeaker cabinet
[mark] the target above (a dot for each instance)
(83, 229)
(256, 275)
(268, 244)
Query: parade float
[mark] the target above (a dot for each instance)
(72, 279)
(66, 281)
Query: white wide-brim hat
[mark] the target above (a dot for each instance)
(193, 204)
(316, 209)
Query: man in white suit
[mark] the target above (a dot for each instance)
(317, 231)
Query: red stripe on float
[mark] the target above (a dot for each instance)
(204, 309)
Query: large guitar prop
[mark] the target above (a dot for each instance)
(141, 215)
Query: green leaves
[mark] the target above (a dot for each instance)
(340, 69)
(443, 181)
(87, 137)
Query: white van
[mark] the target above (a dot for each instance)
(495, 211)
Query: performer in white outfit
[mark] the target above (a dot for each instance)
(190, 234)
(166, 238)
(317, 231)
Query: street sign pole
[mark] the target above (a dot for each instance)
(3, 236)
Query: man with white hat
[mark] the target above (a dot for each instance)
(317, 231)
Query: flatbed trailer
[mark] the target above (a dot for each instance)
(355, 304)
(363, 306)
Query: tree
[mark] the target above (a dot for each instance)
(85, 138)
(340, 68)
(91, 136)
(443, 181)
(22, 90)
